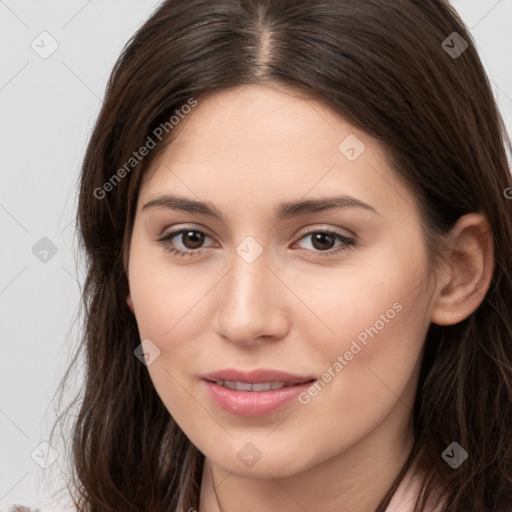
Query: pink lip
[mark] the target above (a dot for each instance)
(254, 403)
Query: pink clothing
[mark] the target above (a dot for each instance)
(407, 494)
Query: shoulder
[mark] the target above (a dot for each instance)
(22, 508)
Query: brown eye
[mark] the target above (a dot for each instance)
(323, 241)
(192, 239)
(184, 242)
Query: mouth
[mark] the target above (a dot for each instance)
(254, 393)
(257, 386)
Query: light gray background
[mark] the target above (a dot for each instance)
(48, 107)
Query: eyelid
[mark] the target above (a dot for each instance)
(180, 230)
(326, 228)
(175, 229)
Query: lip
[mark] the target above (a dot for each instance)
(255, 403)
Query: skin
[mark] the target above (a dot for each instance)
(246, 150)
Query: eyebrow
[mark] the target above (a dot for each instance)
(283, 211)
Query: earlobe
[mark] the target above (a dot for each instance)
(130, 303)
(468, 270)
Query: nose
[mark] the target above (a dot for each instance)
(252, 303)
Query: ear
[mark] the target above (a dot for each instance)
(130, 303)
(467, 271)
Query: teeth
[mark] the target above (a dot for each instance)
(246, 386)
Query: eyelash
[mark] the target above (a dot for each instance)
(347, 243)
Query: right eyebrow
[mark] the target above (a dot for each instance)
(184, 204)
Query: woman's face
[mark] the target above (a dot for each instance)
(333, 290)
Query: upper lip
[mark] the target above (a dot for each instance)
(256, 376)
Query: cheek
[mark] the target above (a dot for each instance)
(379, 349)
(369, 369)
(164, 294)
(168, 303)
(173, 306)
(377, 317)
(381, 296)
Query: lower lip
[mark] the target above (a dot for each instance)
(254, 403)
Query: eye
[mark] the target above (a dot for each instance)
(191, 240)
(323, 241)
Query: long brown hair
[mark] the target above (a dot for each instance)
(383, 67)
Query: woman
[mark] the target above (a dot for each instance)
(298, 233)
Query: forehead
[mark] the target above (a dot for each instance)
(259, 115)
(259, 142)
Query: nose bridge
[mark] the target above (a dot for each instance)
(248, 283)
(249, 300)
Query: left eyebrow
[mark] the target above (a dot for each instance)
(296, 208)
(283, 211)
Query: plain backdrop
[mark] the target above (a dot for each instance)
(48, 106)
